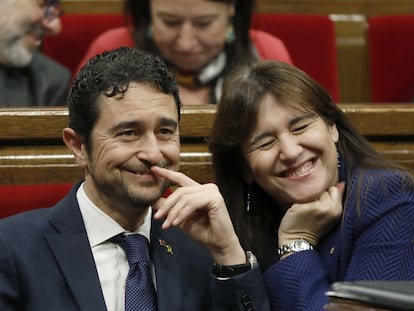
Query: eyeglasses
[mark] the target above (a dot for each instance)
(53, 9)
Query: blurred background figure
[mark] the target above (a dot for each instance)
(28, 78)
(199, 39)
(51, 16)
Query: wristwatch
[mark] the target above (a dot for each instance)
(294, 247)
(222, 271)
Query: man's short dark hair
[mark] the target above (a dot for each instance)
(110, 74)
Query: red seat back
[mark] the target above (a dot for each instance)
(391, 58)
(20, 198)
(78, 30)
(15, 199)
(311, 42)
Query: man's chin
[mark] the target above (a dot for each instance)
(147, 197)
(19, 59)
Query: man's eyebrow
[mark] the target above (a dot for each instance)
(136, 124)
(168, 122)
(125, 124)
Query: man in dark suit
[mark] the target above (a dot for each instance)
(123, 130)
(27, 77)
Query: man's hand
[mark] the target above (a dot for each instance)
(200, 211)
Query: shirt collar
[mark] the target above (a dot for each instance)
(99, 226)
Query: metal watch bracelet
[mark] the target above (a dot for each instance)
(294, 247)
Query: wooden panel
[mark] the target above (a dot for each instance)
(196, 121)
(47, 123)
(382, 120)
(32, 151)
(366, 7)
(352, 47)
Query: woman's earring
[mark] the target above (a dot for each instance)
(249, 198)
(148, 33)
(338, 159)
(230, 36)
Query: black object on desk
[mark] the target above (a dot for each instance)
(371, 295)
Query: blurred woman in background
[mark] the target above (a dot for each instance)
(199, 39)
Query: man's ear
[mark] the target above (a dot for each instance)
(77, 145)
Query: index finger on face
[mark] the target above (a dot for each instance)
(177, 178)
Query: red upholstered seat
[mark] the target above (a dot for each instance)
(78, 30)
(311, 42)
(20, 198)
(391, 56)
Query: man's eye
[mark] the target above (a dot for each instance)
(129, 133)
(166, 132)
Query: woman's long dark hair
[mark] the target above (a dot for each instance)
(240, 50)
(236, 118)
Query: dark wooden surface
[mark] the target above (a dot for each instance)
(32, 150)
(365, 7)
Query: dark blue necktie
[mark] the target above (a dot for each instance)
(139, 290)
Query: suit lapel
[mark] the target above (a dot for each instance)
(167, 269)
(70, 245)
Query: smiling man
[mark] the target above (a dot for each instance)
(124, 113)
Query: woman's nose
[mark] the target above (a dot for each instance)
(290, 149)
(186, 37)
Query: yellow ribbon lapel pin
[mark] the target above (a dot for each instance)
(168, 248)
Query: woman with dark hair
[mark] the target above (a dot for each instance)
(199, 39)
(313, 200)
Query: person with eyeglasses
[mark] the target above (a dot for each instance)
(27, 77)
(51, 17)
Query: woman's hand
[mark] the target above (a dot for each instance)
(312, 220)
(200, 211)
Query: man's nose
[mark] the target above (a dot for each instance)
(150, 150)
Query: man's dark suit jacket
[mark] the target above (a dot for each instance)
(43, 82)
(46, 264)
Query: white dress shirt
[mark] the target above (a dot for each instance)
(110, 259)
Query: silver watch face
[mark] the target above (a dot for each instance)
(301, 245)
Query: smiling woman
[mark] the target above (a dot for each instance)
(307, 192)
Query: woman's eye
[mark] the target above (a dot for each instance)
(203, 24)
(172, 23)
(267, 143)
(300, 128)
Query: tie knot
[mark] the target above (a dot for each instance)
(135, 247)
